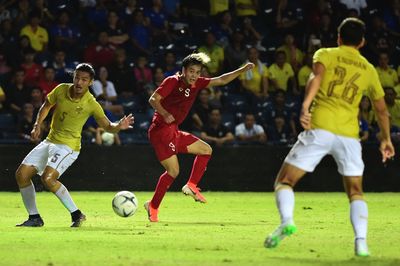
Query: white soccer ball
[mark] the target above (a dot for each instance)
(125, 203)
(108, 138)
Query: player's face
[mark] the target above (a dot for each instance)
(191, 73)
(82, 81)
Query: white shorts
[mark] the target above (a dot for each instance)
(46, 153)
(313, 145)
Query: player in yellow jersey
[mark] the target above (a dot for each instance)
(339, 79)
(73, 106)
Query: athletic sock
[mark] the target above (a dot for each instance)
(164, 182)
(65, 198)
(285, 203)
(29, 198)
(359, 218)
(198, 169)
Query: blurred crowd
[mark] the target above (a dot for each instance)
(135, 44)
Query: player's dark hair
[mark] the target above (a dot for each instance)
(85, 67)
(351, 31)
(195, 59)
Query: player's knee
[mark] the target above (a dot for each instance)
(173, 171)
(49, 180)
(355, 194)
(281, 185)
(22, 178)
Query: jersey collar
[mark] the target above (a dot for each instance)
(349, 49)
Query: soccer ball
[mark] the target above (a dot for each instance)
(108, 138)
(125, 203)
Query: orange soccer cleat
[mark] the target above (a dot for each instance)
(193, 191)
(151, 212)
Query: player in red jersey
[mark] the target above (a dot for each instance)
(172, 102)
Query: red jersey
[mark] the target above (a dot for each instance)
(178, 97)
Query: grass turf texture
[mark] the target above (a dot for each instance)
(228, 230)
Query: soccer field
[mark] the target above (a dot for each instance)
(228, 230)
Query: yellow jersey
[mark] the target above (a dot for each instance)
(218, 6)
(387, 77)
(245, 11)
(216, 54)
(303, 75)
(70, 115)
(280, 75)
(348, 75)
(253, 80)
(38, 38)
(394, 112)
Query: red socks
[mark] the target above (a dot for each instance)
(163, 185)
(198, 169)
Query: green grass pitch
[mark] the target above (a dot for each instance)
(228, 230)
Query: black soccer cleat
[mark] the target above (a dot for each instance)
(77, 222)
(32, 222)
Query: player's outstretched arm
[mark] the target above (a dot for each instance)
(382, 114)
(124, 123)
(41, 116)
(312, 89)
(228, 77)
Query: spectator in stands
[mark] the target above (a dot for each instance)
(26, 122)
(282, 75)
(116, 30)
(121, 74)
(366, 112)
(20, 14)
(235, 52)
(17, 92)
(33, 71)
(215, 52)
(157, 20)
(279, 131)
(218, 7)
(47, 83)
(391, 17)
(255, 81)
(286, 17)
(158, 77)
(105, 93)
(45, 14)
(246, 8)
(94, 133)
(201, 109)
(249, 132)
(140, 34)
(393, 106)
(326, 32)
(364, 130)
(5, 66)
(293, 54)
(304, 73)
(169, 66)
(224, 29)
(143, 74)
(358, 5)
(36, 99)
(251, 36)
(100, 53)
(63, 35)
(37, 35)
(8, 36)
(387, 75)
(214, 132)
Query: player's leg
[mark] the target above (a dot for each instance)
(287, 178)
(24, 176)
(203, 153)
(171, 166)
(32, 164)
(358, 213)
(61, 157)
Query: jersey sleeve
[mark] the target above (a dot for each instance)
(98, 111)
(202, 82)
(167, 86)
(52, 96)
(322, 56)
(375, 90)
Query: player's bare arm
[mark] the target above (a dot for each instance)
(228, 77)
(124, 123)
(382, 114)
(41, 116)
(312, 89)
(155, 102)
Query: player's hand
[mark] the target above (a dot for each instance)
(305, 119)
(168, 118)
(126, 122)
(248, 66)
(387, 150)
(35, 133)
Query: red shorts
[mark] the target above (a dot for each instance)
(168, 140)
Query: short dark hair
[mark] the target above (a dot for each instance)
(85, 67)
(351, 31)
(195, 59)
